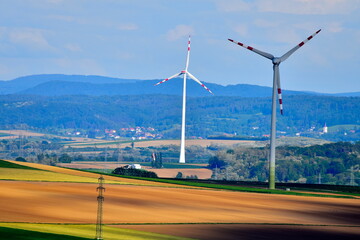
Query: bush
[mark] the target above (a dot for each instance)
(134, 172)
(179, 175)
(20, 159)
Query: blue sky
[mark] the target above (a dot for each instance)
(146, 39)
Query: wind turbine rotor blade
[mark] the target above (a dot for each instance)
(197, 80)
(277, 80)
(188, 55)
(264, 54)
(286, 55)
(167, 79)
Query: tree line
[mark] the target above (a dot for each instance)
(333, 163)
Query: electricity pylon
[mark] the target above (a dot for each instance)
(100, 200)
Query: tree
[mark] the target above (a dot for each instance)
(65, 158)
(134, 172)
(179, 175)
(215, 162)
(20, 159)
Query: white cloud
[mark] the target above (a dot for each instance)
(73, 47)
(265, 23)
(334, 27)
(63, 18)
(232, 5)
(179, 31)
(55, 1)
(328, 26)
(289, 36)
(80, 66)
(317, 7)
(127, 26)
(4, 70)
(29, 37)
(241, 29)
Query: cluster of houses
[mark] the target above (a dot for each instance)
(139, 133)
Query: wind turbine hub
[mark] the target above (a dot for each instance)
(276, 61)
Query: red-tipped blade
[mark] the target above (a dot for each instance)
(167, 79)
(197, 80)
(264, 54)
(286, 55)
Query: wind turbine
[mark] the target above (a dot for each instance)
(276, 85)
(185, 73)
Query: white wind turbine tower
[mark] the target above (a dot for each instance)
(185, 73)
(276, 85)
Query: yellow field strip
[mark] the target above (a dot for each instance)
(69, 175)
(88, 231)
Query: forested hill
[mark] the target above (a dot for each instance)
(58, 88)
(332, 163)
(206, 115)
(59, 84)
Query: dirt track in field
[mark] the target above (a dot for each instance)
(76, 203)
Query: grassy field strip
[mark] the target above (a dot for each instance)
(21, 234)
(78, 144)
(7, 174)
(23, 171)
(38, 175)
(89, 174)
(240, 188)
(88, 231)
(12, 164)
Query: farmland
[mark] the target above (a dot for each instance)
(133, 205)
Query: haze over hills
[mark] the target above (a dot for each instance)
(59, 84)
(95, 102)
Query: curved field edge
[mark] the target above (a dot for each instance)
(239, 188)
(84, 231)
(8, 164)
(45, 176)
(68, 175)
(74, 175)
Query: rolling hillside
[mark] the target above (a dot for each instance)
(216, 115)
(139, 211)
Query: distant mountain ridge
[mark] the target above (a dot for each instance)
(22, 83)
(60, 84)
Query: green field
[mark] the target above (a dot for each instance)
(247, 189)
(6, 164)
(20, 234)
(31, 231)
(17, 172)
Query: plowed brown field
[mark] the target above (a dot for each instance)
(76, 203)
(197, 213)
